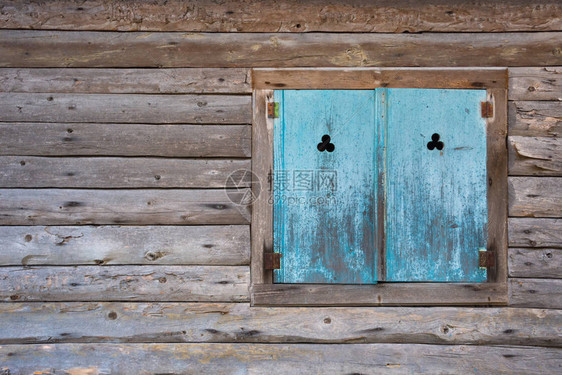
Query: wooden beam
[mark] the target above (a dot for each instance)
(535, 156)
(49, 49)
(541, 293)
(535, 119)
(535, 196)
(223, 359)
(535, 83)
(126, 81)
(371, 78)
(123, 108)
(535, 263)
(125, 283)
(387, 294)
(24, 323)
(59, 139)
(139, 207)
(527, 232)
(386, 16)
(125, 245)
(28, 172)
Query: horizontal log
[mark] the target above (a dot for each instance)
(535, 119)
(24, 323)
(535, 83)
(139, 207)
(125, 245)
(50, 139)
(125, 283)
(535, 156)
(124, 108)
(50, 49)
(535, 196)
(101, 172)
(371, 78)
(288, 16)
(539, 263)
(386, 294)
(527, 232)
(222, 359)
(126, 81)
(541, 293)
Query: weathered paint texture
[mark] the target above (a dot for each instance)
(423, 151)
(436, 214)
(325, 202)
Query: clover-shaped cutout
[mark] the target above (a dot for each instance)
(325, 144)
(435, 143)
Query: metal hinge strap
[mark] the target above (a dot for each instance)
(487, 109)
(272, 261)
(486, 259)
(273, 110)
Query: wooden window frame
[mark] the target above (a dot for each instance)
(493, 292)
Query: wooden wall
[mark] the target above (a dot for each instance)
(120, 252)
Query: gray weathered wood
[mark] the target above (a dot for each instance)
(126, 81)
(535, 119)
(535, 263)
(527, 232)
(125, 283)
(142, 207)
(32, 323)
(387, 294)
(535, 196)
(288, 16)
(101, 172)
(56, 139)
(119, 245)
(254, 359)
(535, 83)
(30, 48)
(541, 293)
(535, 156)
(123, 108)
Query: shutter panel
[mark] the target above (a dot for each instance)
(326, 233)
(436, 208)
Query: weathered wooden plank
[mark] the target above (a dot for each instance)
(18, 171)
(542, 293)
(535, 196)
(535, 119)
(205, 322)
(527, 232)
(125, 283)
(387, 294)
(371, 78)
(142, 207)
(119, 245)
(123, 108)
(535, 156)
(289, 16)
(30, 48)
(126, 81)
(222, 359)
(535, 83)
(50, 139)
(535, 263)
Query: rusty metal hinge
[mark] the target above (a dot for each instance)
(273, 110)
(486, 109)
(272, 261)
(486, 259)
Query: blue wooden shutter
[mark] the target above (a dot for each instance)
(436, 208)
(325, 202)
